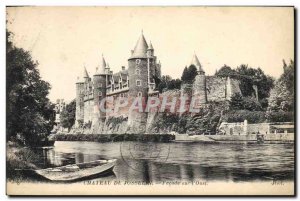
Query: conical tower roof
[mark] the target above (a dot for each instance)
(101, 69)
(150, 46)
(141, 47)
(195, 62)
(85, 73)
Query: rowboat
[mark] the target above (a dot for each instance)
(77, 171)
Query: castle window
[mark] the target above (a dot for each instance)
(138, 83)
(100, 93)
(140, 94)
(138, 61)
(138, 71)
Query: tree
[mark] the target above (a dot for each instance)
(249, 77)
(189, 74)
(67, 116)
(168, 83)
(238, 102)
(29, 112)
(282, 95)
(225, 71)
(288, 76)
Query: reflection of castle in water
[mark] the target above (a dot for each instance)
(134, 170)
(194, 162)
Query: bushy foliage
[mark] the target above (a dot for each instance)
(280, 116)
(248, 77)
(241, 115)
(29, 112)
(67, 116)
(238, 102)
(226, 71)
(282, 95)
(167, 83)
(189, 74)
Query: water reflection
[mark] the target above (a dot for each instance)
(179, 161)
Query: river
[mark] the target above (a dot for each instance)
(155, 162)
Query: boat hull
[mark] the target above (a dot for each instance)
(54, 175)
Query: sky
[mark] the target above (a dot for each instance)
(65, 39)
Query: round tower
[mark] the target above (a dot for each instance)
(79, 116)
(199, 86)
(138, 73)
(99, 80)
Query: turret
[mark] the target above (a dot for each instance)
(199, 86)
(80, 91)
(150, 50)
(99, 80)
(138, 69)
(138, 72)
(195, 62)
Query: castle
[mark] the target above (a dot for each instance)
(138, 80)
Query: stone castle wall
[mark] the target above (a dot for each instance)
(216, 88)
(221, 89)
(123, 121)
(88, 111)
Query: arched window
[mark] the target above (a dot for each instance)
(138, 71)
(140, 94)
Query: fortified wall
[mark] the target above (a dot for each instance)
(104, 89)
(221, 89)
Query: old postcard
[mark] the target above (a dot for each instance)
(150, 101)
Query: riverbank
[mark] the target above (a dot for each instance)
(18, 159)
(115, 137)
(285, 138)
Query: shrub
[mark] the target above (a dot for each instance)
(238, 102)
(241, 115)
(280, 116)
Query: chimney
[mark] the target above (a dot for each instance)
(123, 67)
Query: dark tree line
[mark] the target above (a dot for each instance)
(167, 83)
(30, 114)
(248, 77)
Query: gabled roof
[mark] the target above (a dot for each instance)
(141, 47)
(123, 74)
(195, 62)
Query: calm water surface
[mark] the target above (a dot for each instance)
(154, 162)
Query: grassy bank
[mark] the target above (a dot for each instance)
(115, 137)
(19, 159)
